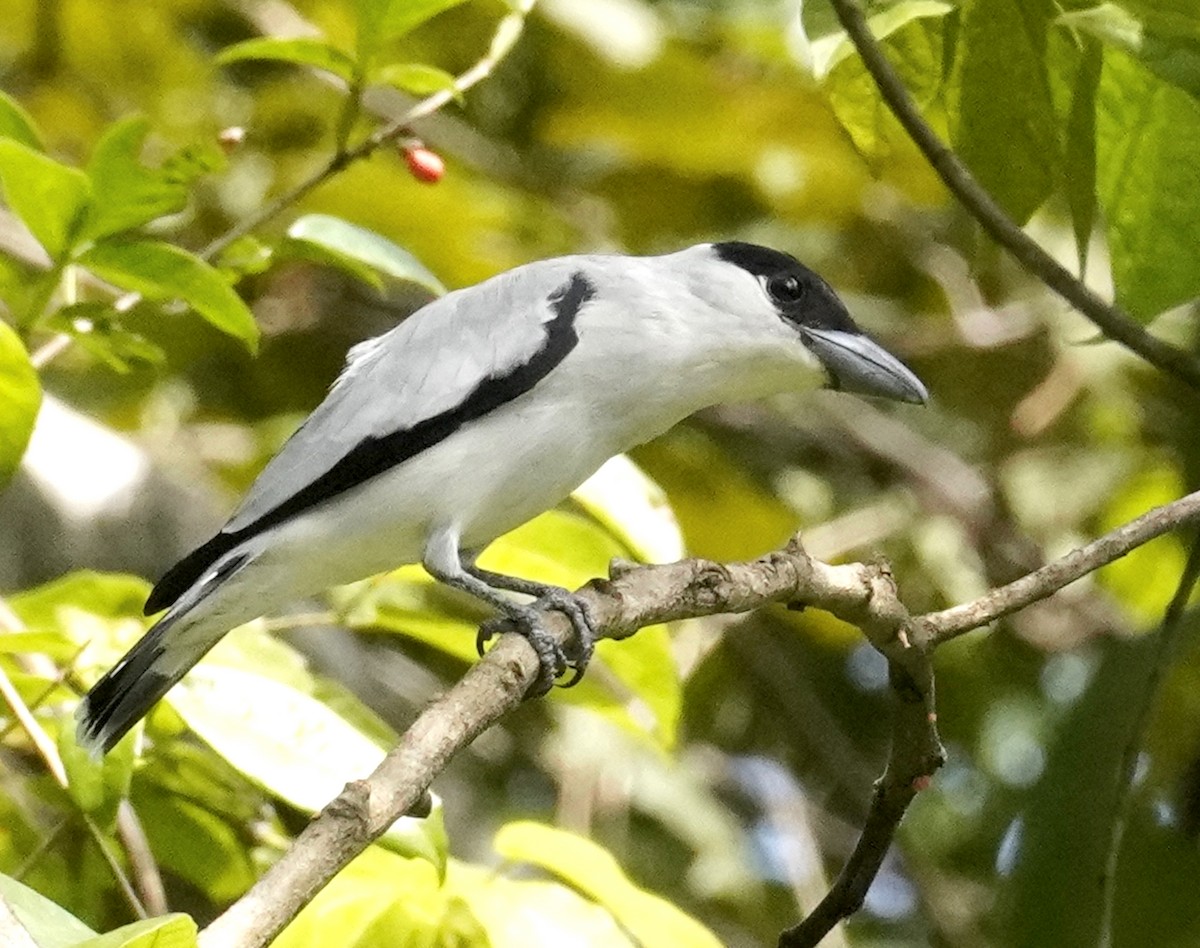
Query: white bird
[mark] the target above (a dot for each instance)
(478, 412)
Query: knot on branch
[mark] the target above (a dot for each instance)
(709, 585)
(352, 809)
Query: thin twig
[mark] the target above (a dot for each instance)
(1113, 321)
(940, 627)
(1164, 649)
(142, 865)
(503, 40)
(916, 754)
(48, 751)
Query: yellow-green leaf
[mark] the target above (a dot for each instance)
(22, 396)
(161, 271)
(301, 51)
(168, 931)
(47, 195)
(592, 870)
(291, 744)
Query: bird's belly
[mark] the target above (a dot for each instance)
(482, 481)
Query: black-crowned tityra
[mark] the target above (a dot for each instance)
(481, 410)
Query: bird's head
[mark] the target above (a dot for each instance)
(801, 310)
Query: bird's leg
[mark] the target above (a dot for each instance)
(548, 596)
(442, 561)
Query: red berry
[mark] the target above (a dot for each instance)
(425, 165)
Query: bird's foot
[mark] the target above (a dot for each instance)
(526, 620)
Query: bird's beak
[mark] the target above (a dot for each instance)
(856, 363)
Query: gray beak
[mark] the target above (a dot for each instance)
(858, 364)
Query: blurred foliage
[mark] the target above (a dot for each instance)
(698, 787)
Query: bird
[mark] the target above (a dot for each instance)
(482, 409)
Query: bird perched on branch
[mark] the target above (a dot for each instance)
(480, 411)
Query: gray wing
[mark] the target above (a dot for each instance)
(448, 364)
(426, 368)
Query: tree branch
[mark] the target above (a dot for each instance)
(1113, 321)
(631, 598)
(939, 627)
(1168, 639)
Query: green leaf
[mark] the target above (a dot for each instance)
(1009, 139)
(304, 51)
(193, 840)
(592, 870)
(404, 16)
(347, 240)
(96, 328)
(19, 406)
(291, 744)
(16, 123)
(309, 252)
(916, 49)
(531, 913)
(50, 925)
(380, 21)
(557, 547)
(167, 931)
(415, 78)
(112, 596)
(380, 899)
(1166, 42)
(1148, 178)
(827, 51)
(125, 193)
(97, 785)
(48, 196)
(1080, 168)
(161, 271)
(634, 509)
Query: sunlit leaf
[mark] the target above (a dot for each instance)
(347, 241)
(1147, 139)
(592, 870)
(161, 271)
(828, 50)
(16, 123)
(97, 785)
(916, 48)
(50, 925)
(48, 196)
(383, 899)
(168, 931)
(309, 251)
(19, 406)
(302, 51)
(414, 78)
(125, 193)
(291, 744)
(380, 21)
(634, 509)
(533, 913)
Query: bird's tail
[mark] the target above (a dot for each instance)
(131, 688)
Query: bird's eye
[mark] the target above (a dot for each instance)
(785, 288)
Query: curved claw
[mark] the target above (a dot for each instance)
(526, 622)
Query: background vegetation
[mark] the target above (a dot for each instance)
(701, 783)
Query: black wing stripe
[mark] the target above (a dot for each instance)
(375, 455)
